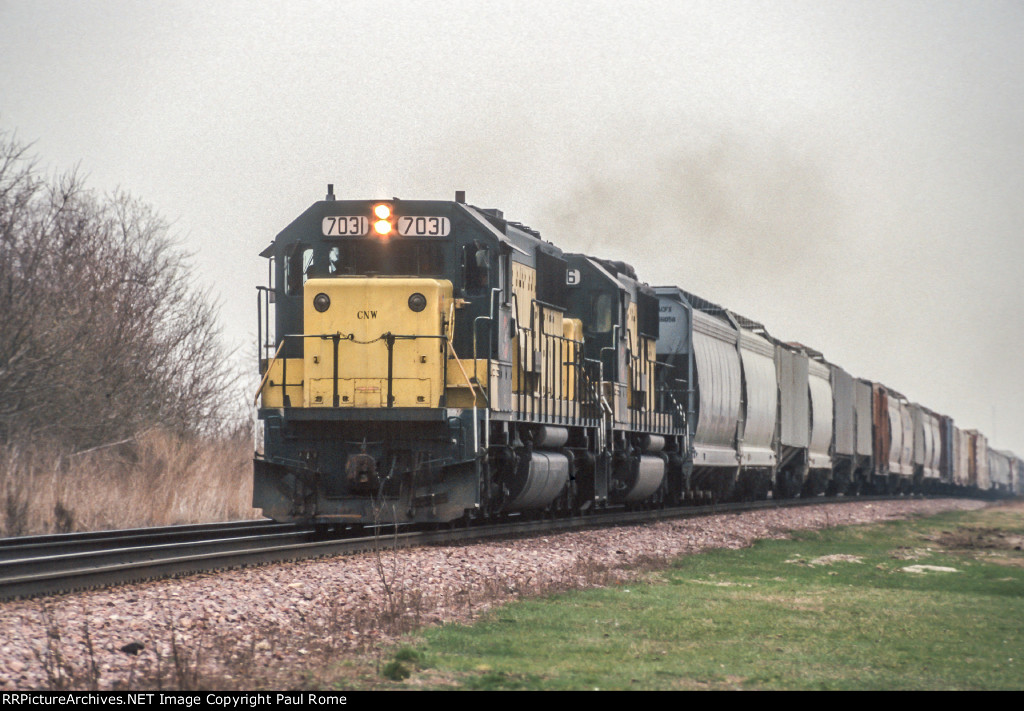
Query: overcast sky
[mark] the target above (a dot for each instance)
(849, 173)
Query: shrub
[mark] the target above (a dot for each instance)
(105, 333)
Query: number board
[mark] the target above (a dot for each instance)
(345, 226)
(412, 226)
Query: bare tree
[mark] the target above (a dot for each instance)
(103, 330)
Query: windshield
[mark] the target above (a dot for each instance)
(364, 257)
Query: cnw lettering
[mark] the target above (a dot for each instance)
(366, 314)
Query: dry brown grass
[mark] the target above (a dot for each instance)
(156, 479)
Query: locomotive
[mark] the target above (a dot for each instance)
(429, 361)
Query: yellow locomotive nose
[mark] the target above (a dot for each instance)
(390, 341)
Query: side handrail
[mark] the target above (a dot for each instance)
(455, 357)
(472, 389)
(266, 376)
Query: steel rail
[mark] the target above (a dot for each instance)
(83, 542)
(47, 575)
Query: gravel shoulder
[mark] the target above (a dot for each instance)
(270, 627)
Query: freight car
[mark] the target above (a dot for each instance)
(427, 361)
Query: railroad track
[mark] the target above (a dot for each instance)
(35, 566)
(88, 541)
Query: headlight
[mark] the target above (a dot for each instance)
(382, 225)
(321, 302)
(417, 302)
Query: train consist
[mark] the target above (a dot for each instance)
(425, 361)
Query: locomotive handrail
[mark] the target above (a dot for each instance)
(285, 402)
(538, 405)
(263, 294)
(266, 375)
(657, 404)
(595, 387)
(683, 415)
(555, 372)
(614, 348)
(458, 362)
(476, 375)
(552, 401)
(389, 340)
(490, 351)
(472, 390)
(598, 398)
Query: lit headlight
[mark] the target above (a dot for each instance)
(382, 225)
(321, 302)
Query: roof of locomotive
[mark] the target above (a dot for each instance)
(619, 274)
(468, 222)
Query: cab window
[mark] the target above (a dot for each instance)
(296, 269)
(476, 266)
(602, 313)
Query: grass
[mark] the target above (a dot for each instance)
(156, 479)
(832, 609)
